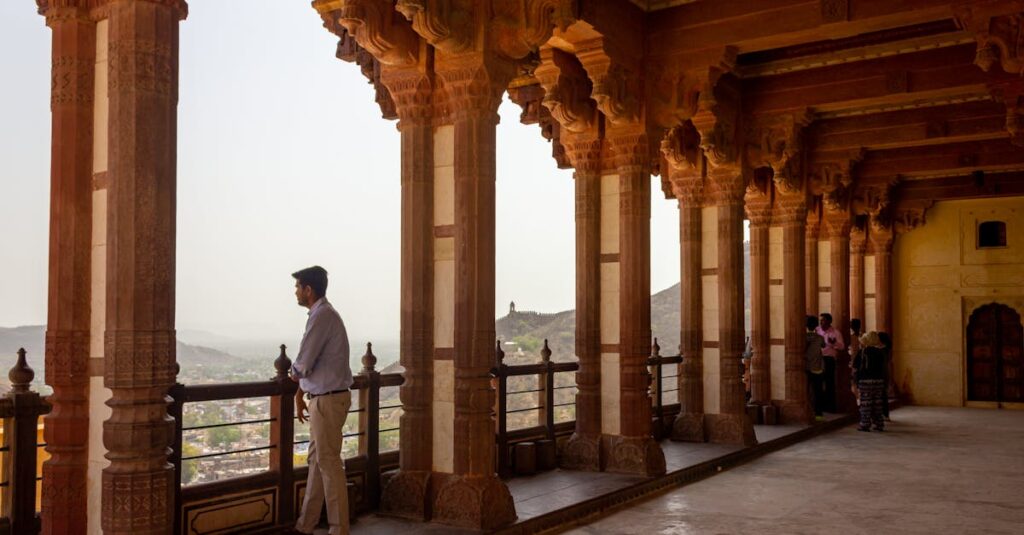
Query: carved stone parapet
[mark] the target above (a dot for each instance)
(566, 90)
(471, 501)
(445, 24)
(632, 455)
(406, 495)
(998, 28)
(375, 25)
(581, 452)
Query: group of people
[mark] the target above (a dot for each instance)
(869, 365)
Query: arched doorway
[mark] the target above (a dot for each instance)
(995, 355)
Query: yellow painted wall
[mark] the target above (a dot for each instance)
(940, 278)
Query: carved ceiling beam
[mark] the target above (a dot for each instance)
(907, 81)
(769, 24)
(969, 121)
(998, 28)
(941, 160)
(375, 25)
(963, 187)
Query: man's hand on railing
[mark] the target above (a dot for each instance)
(300, 406)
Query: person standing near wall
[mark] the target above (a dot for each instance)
(870, 369)
(815, 367)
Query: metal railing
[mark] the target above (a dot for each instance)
(663, 413)
(364, 463)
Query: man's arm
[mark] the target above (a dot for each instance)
(313, 342)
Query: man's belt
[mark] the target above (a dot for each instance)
(342, 391)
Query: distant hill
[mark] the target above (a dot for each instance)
(529, 329)
(33, 339)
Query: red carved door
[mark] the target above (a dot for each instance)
(995, 355)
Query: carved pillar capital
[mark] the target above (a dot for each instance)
(777, 142)
(837, 220)
(584, 152)
(882, 234)
(630, 151)
(412, 92)
(790, 210)
(858, 240)
(758, 207)
(473, 85)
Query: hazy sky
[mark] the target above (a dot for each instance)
(283, 162)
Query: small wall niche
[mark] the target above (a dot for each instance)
(991, 234)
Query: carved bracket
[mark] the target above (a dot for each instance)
(616, 85)
(566, 90)
(674, 89)
(375, 26)
(445, 24)
(776, 142)
(523, 26)
(998, 28)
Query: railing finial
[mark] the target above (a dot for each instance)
(21, 374)
(369, 359)
(655, 348)
(282, 363)
(545, 352)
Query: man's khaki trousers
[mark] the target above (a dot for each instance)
(326, 479)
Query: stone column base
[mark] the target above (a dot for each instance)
(406, 495)
(581, 452)
(799, 413)
(688, 427)
(475, 502)
(730, 429)
(633, 455)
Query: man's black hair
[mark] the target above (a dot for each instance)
(315, 277)
(826, 315)
(812, 323)
(855, 324)
(885, 338)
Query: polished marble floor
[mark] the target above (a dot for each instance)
(933, 471)
(550, 491)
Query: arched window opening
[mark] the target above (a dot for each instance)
(991, 234)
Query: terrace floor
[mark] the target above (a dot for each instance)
(540, 498)
(934, 470)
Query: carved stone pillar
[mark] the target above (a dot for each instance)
(759, 209)
(139, 347)
(811, 263)
(407, 493)
(68, 321)
(472, 495)
(631, 449)
(795, 408)
(858, 245)
(689, 424)
(731, 424)
(582, 451)
(882, 240)
(839, 221)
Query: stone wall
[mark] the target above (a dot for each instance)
(940, 278)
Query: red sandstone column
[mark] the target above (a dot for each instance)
(68, 315)
(839, 222)
(858, 245)
(633, 450)
(811, 263)
(689, 424)
(882, 239)
(139, 341)
(582, 451)
(732, 424)
(473, 496)
(407, 492)
(758, 208)
(793, 214)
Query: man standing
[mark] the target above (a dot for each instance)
(323, 373)
(833, 345)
